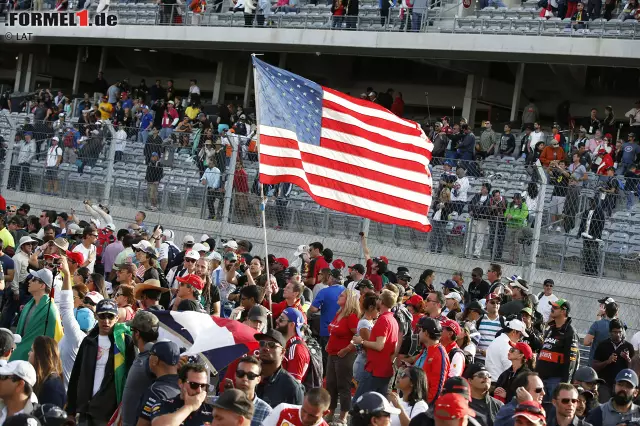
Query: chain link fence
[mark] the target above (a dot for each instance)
(588, 223)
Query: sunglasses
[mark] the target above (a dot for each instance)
(538, 390)
(196, 385)
(269, 344)
(482, 375)
(566, 401)
(3, 378)
(190, 260)
(251, 376)
(106, 316)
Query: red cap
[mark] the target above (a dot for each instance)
(75, 256)
(532, 411)
(3, 204)
(193, 280)
(449, 323)
(414, 300)
(524, 348)
(283, 261)
(52, 256)
(452, 406)
(339, 264)
(493, 296)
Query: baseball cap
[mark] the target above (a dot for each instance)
(43, 275)
(453, 325)
(21, 369)
(414, 300)
(204, 238)
(493, 296)
(271, 334)
(283, 261)
(192, 254)
(365, 284)
(214, 255)
(449, 284)
(73, 229)
(230, 256)
(232, 244)
(430, 325)
(516, 324)
(144, 321)
(527, 311)
(548, 281)
(188, 240)
(75, 256)
(8, 340)
(532, 411)
(302, 249)
(336, 273)
(587, 375)
(474, 369)
(166, 351)
(626, 375)
(520, 283)
(193, 280)
(338, 264)
(295, 316)
(606, 300)
(454, 295)
(245, 244)
(95, 297)
(561, 304)
(452, 406)
(168, 234)
(143, 244)
(199, 247)
(258, 313)
(107, 306)
(85, 318)
(236, 401)
(358, 268)
(457, 385)
(524, 348)
(476, 306)
(381, 259)
(404, 276)
(373, 402)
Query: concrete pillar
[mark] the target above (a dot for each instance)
(76, 72)
(103, 59)
(282, 62)
(16, 85)
(28, 73)
(470, 99)
(517, 90)
(218, 94)
(247, 86)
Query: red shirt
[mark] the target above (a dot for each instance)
(296, 358)
(375, 279)
(287, 415)
(340, 333)
(240, 182)
(318, 264)
(415, 319)
(379, 362)
(277, 308)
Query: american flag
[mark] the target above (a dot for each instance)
(348, 154)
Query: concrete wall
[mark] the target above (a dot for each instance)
(583, 292)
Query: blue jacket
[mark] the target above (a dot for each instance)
(505, 415)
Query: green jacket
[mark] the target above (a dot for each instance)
(518, 215)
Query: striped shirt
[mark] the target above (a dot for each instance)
(488, 330)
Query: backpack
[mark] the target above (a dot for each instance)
(403, 317)
(315, 372)
(468, 359)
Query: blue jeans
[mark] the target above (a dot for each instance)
(166, 132)
(549, 386)
(416, 20)
(358, 366)
(622, 168)
(630, 198)
(370, 383)
(143, 135)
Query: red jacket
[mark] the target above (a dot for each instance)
(435, 363)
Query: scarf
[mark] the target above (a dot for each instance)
(39, 324)
(120, 330)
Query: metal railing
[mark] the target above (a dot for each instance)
(517, 21)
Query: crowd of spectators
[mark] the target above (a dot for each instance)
(334, 344)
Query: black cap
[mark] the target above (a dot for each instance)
(476, 306)
(457, 385)
(404, 276)
(365, 284)
(336, 273)
(430, 325)
(272, 334)
(167, 352)
(548, 281)
(235, 401)
(358, 267)
(472, 369)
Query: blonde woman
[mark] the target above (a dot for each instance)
(342, 353)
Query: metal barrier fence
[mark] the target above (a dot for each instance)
(516, 21)
(465, 223)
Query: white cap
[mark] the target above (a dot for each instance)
(454, 295)
(232, 244)
(215, 256)
(95, 222)
(192, 254)
(43, 275)
(168, 234)
(55, 138)
(516, 324)
(22, 369)
(302, 249)
(204, 238)
(143, 244)
(111, 226)
(188, 239)
(199, 247)
(16, 337)
(73, 229)
(95, 297)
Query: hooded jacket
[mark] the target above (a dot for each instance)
(559, 356)
(101, 406)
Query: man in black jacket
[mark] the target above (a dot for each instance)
(92, 386)
(153, 177)
(591, 228)
(559, 356)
